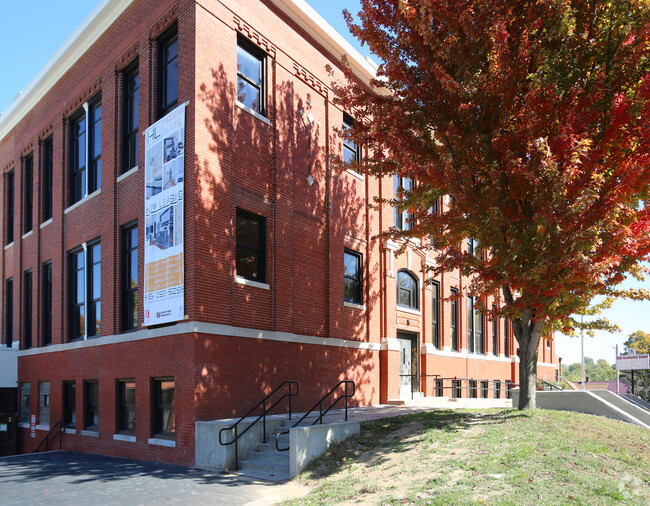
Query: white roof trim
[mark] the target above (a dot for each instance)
(99, 20)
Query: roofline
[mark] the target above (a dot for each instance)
(105, 14)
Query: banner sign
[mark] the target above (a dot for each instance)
(164, 167)
(632, 362)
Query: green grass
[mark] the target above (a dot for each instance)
(486, 456)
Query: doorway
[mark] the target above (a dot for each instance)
(408, 363)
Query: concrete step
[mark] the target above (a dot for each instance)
(268, 467)
(274, 476)
(279, 459)
(269, 446)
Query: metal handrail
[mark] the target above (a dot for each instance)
(262, 417)
(319, 405)
(44, 445)
(553, 387)
(506, 385)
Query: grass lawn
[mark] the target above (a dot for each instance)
(488, 456)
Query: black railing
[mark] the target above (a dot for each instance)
(56, 431)
(550, 386)
(319, 405)
(473, 386)
(414, 379)
(265, 411)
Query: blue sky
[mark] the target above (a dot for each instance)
(35, 29)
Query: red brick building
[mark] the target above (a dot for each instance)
(282, 275)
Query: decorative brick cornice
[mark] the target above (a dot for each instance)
(27, 149)
(249, 195)
(254, 36)
(127, 57)
(46, 132)
(304, 75)
(164, 22)
(8, 166)
(83, 97)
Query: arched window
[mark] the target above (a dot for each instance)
(407, 290)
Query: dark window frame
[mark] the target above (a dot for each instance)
(25, 402)
(495, 331)
(94, 312)
(404, 220)
(355, 279)
(47, 303)
(260, 55)
(28, 193)
(435, 314)
(44, 403)
(413, 294)
(159, 429)
(129, 293)
(167, 41)
(126, 424)
(28, 306)
(87, 307)
(91, 404)
(506, 337)
(349, 146)
(453, 320)
(94, 126)
(77, 304)
(473, 393)
(475, 327)
(10, 209)
(131, 120)
(70, 403)
(259, 250)
(9, 312)
(47, 178)
(78, 169)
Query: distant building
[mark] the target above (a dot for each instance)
(254, 261)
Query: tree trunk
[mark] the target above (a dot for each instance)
(528, 333)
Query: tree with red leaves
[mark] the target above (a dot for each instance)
(531, 119)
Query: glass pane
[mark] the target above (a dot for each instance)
(129, 393)
(133, 274)
(171, 95)
(248, 94)
(349, 154)
(248, 231)
(171, 51)
(248, 65)
(247, 262)
(350, 290)
(350, 265)
(98, 317)
(167, 392)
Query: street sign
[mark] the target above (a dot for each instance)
(632, 362)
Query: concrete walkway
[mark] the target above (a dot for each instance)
(65, 478)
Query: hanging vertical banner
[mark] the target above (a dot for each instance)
(164, 280)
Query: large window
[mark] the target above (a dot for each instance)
(353, 286)
(404, 220)
(250, 76)
(28, 192)
(85, 291)
(86, 151)
(95, 147)
(69, 403)
(9, 312)
(44, 403)
(407, 290)
(25, 400)
(47, 303)
(251, 246)
(475, 327)
(163, 419)
(435, 314)
(131, 120)
(454, 319)
(130, 278)
(46, 179)
(495, 334)
(506, 337)
(91, 404)
(350, 149)
(126, 406)
(9, 213)
(27, 309)
(168, 72)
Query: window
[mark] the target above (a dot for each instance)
(126, 406)
(9, 312)
(250, 76)
(163, 418)
(475, 327)
(47, 303)
(351, 152)
(497, 389)
(454, 319)
(435, 314)
(168, 72)
(44, 403)
(404, 220)
(69, 403)
(85, 291)
(435, 210)
(25, 399)
(86, 151)
(506, 337)
(456, 389)
(27, 310)
(10, 208)
(78, 158)
(472, 389)
(251, 246)
(28, 192)
(130, 278)
(472, 246)
(484, 389)
(91, 404)
(95, 147)
(131, 120)
(439, 388)
(495, 334)
(407, 290)
(508, 389)
(353, 285)
(46, 179)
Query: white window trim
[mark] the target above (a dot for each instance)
(124, 437)
(249, 282)
(129, 172)
(253, 113)
(90, 433)
(170, 443)
(353, 305)
(7, 246)
(406, 309)
(82, 201)
(27, 234)
(45, 223)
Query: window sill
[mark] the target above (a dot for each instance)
(69, 430)
(124, 437)
(45, 223)
(82, 201)
(169, 443)
(353, 305)
(354, 173)
(7, 246)
(250, 111)
(23, 425)
(248, 282)
(405, 309)
(43, 427)
(27, 234)
(121, 177)
(90, 433)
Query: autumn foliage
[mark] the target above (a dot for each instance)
(531, 119)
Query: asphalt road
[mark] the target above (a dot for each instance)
(69, 478)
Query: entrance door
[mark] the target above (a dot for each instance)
(408, 367)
